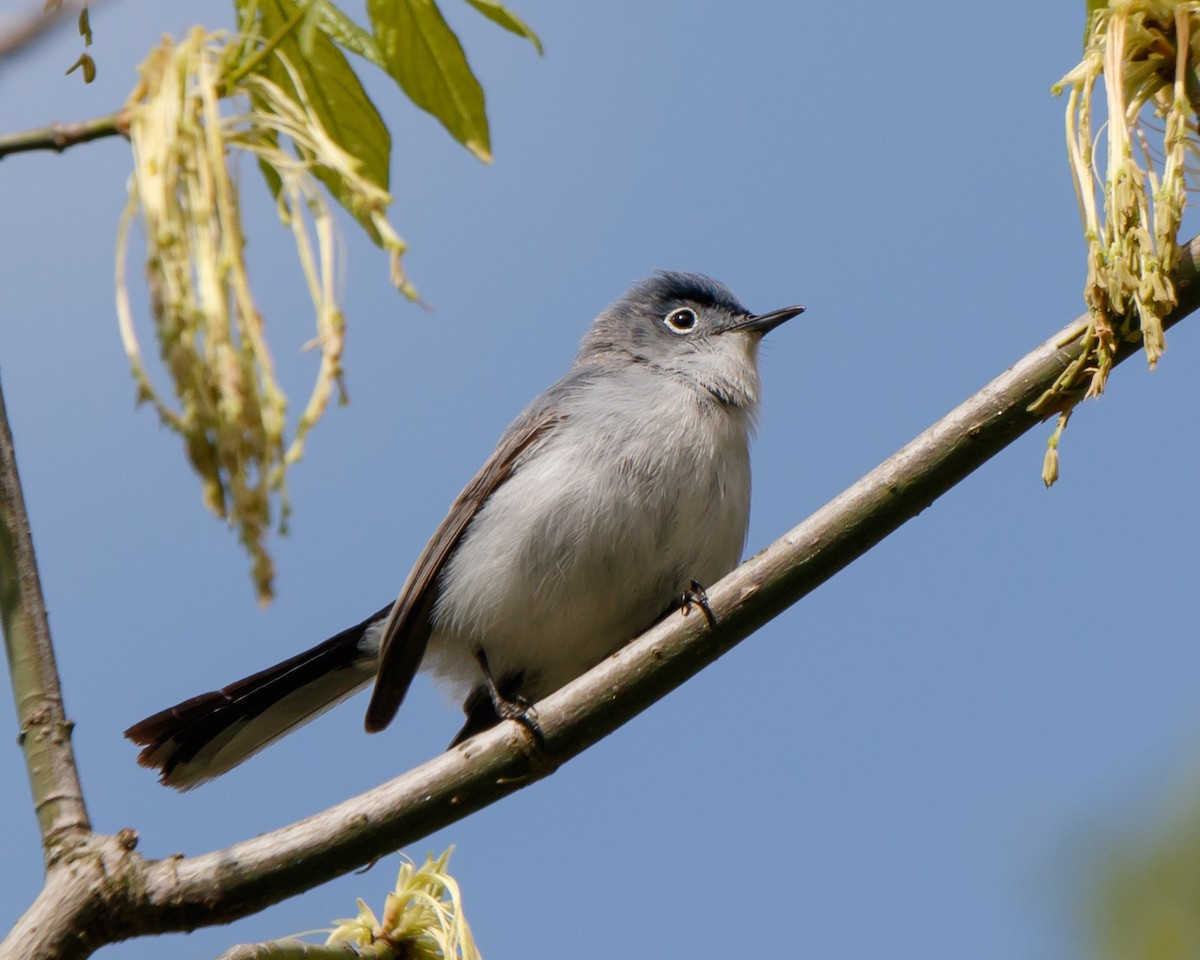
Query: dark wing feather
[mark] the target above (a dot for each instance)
(406, 632)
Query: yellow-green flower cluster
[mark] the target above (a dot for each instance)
(422, 918)
(192, 114)
(1131, 202)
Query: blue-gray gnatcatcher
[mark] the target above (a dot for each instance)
(623, 483)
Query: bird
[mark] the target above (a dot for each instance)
(613, 498)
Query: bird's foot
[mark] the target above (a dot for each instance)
(696, 596)
(510, 706)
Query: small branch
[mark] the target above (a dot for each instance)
(45, 731)
(59, 136)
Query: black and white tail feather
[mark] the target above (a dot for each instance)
(212, 733)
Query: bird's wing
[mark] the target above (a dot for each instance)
(406, 632)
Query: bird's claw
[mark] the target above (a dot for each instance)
(696, 595)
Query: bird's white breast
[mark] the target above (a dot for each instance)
(595, 534)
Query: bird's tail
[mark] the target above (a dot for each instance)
(208, 735)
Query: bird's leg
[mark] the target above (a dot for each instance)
(696, 595)
(488, 705)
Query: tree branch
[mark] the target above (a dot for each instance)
(182, 893)
(59, 136)
(273, 866)
(45, 731)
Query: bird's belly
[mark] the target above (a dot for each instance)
(580, 551)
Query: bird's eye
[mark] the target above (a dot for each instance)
(682, 320)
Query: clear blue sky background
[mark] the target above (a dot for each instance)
(928, 757)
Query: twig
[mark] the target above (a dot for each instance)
(59, 136)
(45, 731)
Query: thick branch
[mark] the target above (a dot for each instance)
(45, 732)
(185, 892)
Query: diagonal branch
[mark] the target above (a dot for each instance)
(273, 866)
(136, 897)
(488, 767)
(45, 731)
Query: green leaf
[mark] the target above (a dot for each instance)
(422, 54)
(348, 33)
(87, 64)
(333, 88)
(85, 26)
(1093, 8)
(271, 175)
(309, 24)
(499, 13)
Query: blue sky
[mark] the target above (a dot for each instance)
(929, 757)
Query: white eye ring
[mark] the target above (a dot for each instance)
(681, 320)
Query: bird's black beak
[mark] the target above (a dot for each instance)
(766, 322)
